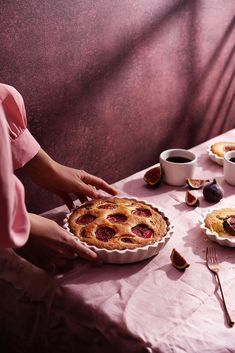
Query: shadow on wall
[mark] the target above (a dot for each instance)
(107, 78)
(92, 81)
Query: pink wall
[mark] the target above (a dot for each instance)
(109, 84)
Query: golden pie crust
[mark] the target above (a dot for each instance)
(220, 148)
(214, 220)
(118, 223)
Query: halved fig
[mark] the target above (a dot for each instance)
(142, 212)
(153, 176)
(195, 183)
(107, 206)
(191, 200)
(142, 230)
(85, 219)
(104, 233)
(178, 261)
(117, 218)
(229, 225)
(127, 239)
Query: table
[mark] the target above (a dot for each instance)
(144, 307)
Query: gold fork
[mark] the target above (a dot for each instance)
(212, 264)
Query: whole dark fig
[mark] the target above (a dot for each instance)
(212, 192)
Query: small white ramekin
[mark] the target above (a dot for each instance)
(224, 240)
(214, 157)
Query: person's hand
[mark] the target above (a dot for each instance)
(51, 248)
(64, 181)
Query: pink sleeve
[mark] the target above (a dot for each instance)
(23, 145)
(14, 221)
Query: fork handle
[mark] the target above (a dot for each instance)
(229, 320)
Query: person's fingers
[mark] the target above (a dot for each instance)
(85, 253)
(89, 191)
(98, 183)
(67, 200)
(82, 197)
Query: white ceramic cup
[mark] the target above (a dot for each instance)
(176, 172)
(229, 167)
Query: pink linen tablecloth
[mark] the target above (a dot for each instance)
(144, 307)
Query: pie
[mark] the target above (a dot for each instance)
(220, 148)
(215, 220)
(117, 223)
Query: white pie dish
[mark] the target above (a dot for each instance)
(224, 240)
(126, 256)
(214, 157)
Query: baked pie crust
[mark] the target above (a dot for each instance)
(214, 220)
(117, 223)
(220, 148)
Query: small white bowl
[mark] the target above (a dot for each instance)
(214, 157)
(224, 240)
(128, 255)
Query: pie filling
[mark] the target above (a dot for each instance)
(105, 233)
(85, 219)
(117, 218)
(132, 224)
(143, 212)
(141, 230)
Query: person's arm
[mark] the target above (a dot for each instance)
(64, 181)
(51, 248)
(37, 239)
(23, 145)
(13, 216)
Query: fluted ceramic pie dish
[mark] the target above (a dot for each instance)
(107, 218)
(224, 239)
(214, 157)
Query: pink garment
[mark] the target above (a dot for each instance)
(17, 147)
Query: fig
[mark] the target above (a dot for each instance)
(195, 183)
(213, 192)
(229, 225)
(178, 261)
(190, 199)
(153, 176)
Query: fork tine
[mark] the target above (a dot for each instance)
(212, 254)
(215, 255)
(212, 264)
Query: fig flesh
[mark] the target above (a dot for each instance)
(178, 261)
(153, 176)
(213, 192)
(190, 199)
(229, 225)
(195, 183)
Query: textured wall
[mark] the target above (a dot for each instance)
(109, 84)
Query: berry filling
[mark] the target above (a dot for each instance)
(117, 218)
(141, 230)
(85, 219)
(143, 212)
(105, 233)
(107, 206)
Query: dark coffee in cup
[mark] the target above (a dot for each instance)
(179, 159)
(232, 159)
(177, 164)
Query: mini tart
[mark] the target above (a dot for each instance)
(220, 148)
(214, 220)
(117, 223)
